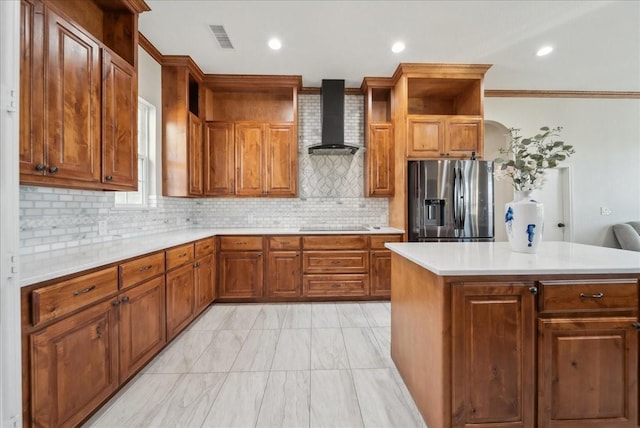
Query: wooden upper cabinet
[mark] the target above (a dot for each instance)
(444, 137)
(426, 137)
(78, 93)
(72, 102)
(195, 152)
(464, 136)
(219, 159)
(250, 171)
(119, 131)
(281, 160)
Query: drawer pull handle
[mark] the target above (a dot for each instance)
(335, 262)
(85, 291)
(143, 268)
(241, 243)
(182, 255)
(336, 285)
(592, 296)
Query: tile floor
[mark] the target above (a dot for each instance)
(271, 365)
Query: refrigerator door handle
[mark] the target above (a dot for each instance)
(463, 201)
(454, 205)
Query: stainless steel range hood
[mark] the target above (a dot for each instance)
(332, 106)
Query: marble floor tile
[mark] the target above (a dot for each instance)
(221, 354)
(270, 316)
(213, 317)
(327, 349)
(140, 403)
(238, 402)
(333, 400)
(363, 350)
(351, 315)
(293, 351)
(256, 354)
(286, 400)
(241, 317)
(383, 338)
(298, 316)
(382, 402)
(190, 401)
(324, 315)
(180, 356)
(377, 314)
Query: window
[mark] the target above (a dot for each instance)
(146, 137)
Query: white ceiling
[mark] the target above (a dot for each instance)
(597, 43)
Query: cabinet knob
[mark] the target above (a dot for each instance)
(109, 177)
(125, 299)
(53, 169)
(533, 290)
(636, 325)
(116, 303)
(40, 167)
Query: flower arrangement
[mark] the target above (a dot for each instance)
(527, 158)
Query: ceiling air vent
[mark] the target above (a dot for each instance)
(221, 36)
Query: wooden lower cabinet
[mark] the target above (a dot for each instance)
(180, 299)
(493, 348)
(380, 273)
(240, 274)
(142, 330)
(204, 275)
(587, 372)
(74, 366)
(284, 274)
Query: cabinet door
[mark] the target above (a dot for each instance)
(240, 274)
(195, 149)
(282, 160)
(74, 365)
(284, 276)
(31, 89)
(204, 281)
(72, 103)
(219, 159)
(142, 325)
(380, 161)
(119, 126)
(426, 138)
(249, 162)
(587, 372)
(464, 136)
(380, 273)
(493, 332)
(180, 299)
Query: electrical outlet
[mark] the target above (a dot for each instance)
(605, 211)
(102, 227)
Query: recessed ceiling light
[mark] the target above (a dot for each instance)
(545, 50)
(275, 44)
(397, 47)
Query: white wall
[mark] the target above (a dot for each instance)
(606, 166)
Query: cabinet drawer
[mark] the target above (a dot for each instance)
(138, 270)
(241, 243)
(205, 247)
(377, 242)
(335, 285)
(67, 296)
(284, 242)
(579, 296)
(179, 255)
(335, 261)
(335, 242)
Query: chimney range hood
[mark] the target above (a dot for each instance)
(332, 106)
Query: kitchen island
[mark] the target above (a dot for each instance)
(483, 336)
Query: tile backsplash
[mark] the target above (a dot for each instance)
(331, 192)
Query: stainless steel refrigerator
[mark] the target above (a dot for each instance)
(450, 200)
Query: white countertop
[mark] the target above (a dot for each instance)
(35, 268)
(496, 258)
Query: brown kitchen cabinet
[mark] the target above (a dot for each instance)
(204, 274)
(241, 267)
(588, 354)
(380, 264)
(493, 348)
(249, 155)
(379, 137)
(444, 137)
(180, 288)
(74, 68)
(284, 267)
(219, 159)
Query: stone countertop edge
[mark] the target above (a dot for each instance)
(44, 266)
(496, 258)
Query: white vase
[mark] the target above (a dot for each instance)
(524, 220)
